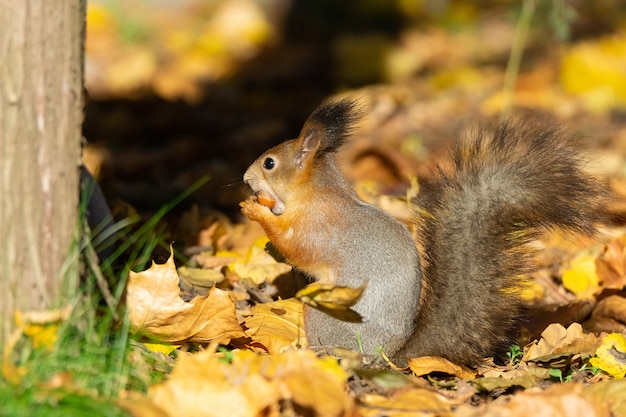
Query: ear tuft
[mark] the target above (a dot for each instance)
(328, 127)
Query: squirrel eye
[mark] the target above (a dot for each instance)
(269, 163)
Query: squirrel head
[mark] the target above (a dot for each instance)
(286, 169)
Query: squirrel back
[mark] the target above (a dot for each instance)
(457, 297)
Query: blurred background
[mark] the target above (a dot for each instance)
(179, 90)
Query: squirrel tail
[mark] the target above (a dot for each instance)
(476, 220)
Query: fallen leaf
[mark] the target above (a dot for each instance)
(333, 300)
(194, 279)
(42, 326)
(385, 378)
(413, 402)
(276, 325)
(428, 364)
(204, 384)
(258, 265)
(596, 72)
(556, 339)
(611, 264)
(519, 372)
(161, 348)
(316, 383)
(581, 278)
(611, 355)
(609, 315)
(489, 384)
(157, 310)
(560, 400)
(612, 393)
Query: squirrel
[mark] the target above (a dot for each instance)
(456, 297)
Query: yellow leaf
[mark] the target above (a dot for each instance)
(199, 277)
(259, 266)
(161, 348)
(581, 278)
(611, 355)
(203, 384)
(559, 400)
(227, 254)
(408, 402)
(133, 70)
(333, 300)
(596, 72)
(156, 309)
(42, 326)
(276, 325)
(426, 364)
(98, 18)
(42, 335)
(330, 296)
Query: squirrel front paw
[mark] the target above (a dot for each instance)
(253, 210)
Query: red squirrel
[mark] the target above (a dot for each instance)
(457, 296)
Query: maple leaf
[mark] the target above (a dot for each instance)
(157, 310)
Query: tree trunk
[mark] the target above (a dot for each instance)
(41, 100)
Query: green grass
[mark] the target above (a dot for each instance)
(83, 372)
(94, 357)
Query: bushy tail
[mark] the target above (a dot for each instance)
(476, 220)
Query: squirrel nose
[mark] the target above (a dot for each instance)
(250, 179)
(247, 177)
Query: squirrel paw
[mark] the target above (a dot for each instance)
(253, 210)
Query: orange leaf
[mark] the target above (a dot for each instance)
(157, 310)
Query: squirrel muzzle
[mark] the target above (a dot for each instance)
(259, 185)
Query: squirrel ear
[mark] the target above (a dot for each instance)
(328, 127)
(308, 146)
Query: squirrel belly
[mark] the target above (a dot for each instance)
(387, 260)
(457, 297)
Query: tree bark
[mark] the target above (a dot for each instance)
(41, 104)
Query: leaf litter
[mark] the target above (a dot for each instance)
(231, 292)
(561, 369)
(269, 370)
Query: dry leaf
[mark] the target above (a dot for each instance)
(612, 393)
(161, 348)
(428, 364)
(258, 265)
(413, 402)
(198, 279)
(558, 340)
(276, 325)
(560, 400)
(519, 372)
(581, 278)
(611, 265)
(157, 310)
(608, 316)
(526, 380)
(204, 384)
(596, 72)
(611, 355)
(333, 300)
(42, 326)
